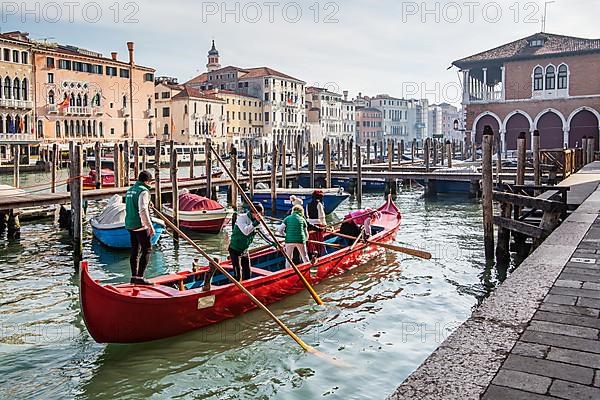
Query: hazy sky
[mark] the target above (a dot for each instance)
(402, 48)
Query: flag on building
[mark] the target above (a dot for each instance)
(65, 103)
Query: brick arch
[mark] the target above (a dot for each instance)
(481, 121)
(516, 123)
(550, 124)
(583, 123)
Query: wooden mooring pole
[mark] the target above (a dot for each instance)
(174, 187)
(136, 160)
(368, 161)
(358, 176)
(157, 188)
(192, 163)
(274, 180)
(233, 167)
(98, 164)
(487, 183)
(535, 146)
(210, 190)
(327, 160)
(117, 165)
(76, 185)
(311, 164)
(250, 165)
(126, 163)
(283, 165)
(16, 165)
(55, 155)
(449, 152)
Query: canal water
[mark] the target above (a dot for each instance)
(380, 320)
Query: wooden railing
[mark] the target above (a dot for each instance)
(566, 161)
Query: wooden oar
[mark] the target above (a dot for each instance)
(216, 265)
(413, 252)
(307, 285)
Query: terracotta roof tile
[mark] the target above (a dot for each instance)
(520, 49)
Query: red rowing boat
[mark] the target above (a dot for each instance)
(177, 303)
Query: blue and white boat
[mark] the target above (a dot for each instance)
(331, 200)
(368, 184)
(109, 226)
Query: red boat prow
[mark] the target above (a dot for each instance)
(126, 313)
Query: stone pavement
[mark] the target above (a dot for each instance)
(558, 355)
(536, 336)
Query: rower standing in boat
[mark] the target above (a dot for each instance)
(139, 225)
(357, 220)
(315, 214)
(242, 236)
(295, 227)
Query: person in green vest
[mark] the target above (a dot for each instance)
(139, 225)
(295, 227)
(242, 235)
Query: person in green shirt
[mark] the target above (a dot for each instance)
(139, 225)
(242, 235)
(295, 227)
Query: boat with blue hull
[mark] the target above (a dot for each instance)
(109, 226)
(332, 198)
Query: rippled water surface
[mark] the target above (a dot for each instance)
(381, 320)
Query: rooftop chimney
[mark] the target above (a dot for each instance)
(345, 95)
(130, 49)
(113, 55)
(359, 95)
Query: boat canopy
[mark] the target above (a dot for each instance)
(193, 202)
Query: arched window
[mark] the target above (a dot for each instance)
(538, 78)
(124, 101)
(550, 78)
(125, 126)
(79, 100)
(40, 128)
(95, 132)
(85, 100)
(563, 78)
(1, 124)
(72, 128)
(1, 91)
(71, 99)
(66, 129)
(10, 127)
(96, 100)
(89, 128)
(7, 88)
(83, 129)
(150, 129)
(57, 132)
(166, 129)
(25, 89)
(100, 130)
(18, 124)
(51, 97)
(185, 109)
(149, 103)
(77, 129)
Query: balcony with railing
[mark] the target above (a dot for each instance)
(98, 110)
(16, 137)
(16, 103)
(52, 109)
(483, 85)
(78, 110)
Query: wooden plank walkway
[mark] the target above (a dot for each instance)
(582, 185)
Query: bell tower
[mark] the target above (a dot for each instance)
(213, 59)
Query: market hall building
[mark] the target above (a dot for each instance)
(544, 82)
